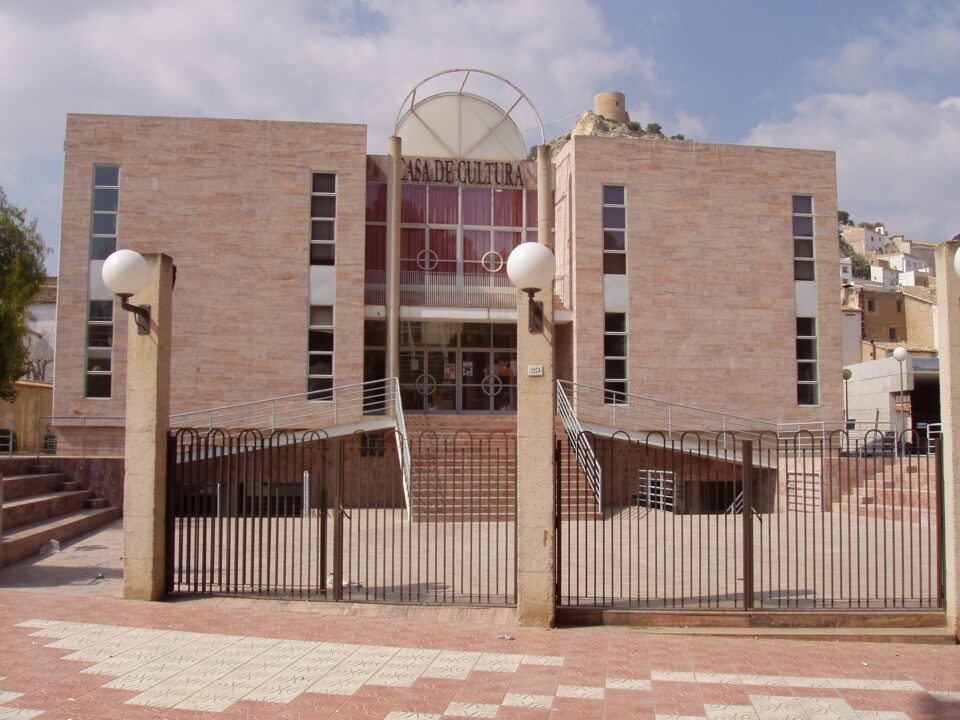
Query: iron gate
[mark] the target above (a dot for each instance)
(301, 515)
(721, 522)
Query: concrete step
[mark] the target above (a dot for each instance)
(38, 508)
(26, 540)
(21, 486)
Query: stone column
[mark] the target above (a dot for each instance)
(536, 539)
(395, 172)
(948, 331)
(145, 451)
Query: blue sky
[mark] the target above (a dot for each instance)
(875, 81)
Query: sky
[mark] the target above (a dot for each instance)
(876, 81)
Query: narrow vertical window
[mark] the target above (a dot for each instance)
(614, 230)
(614, 358)
(323, 219)
(808, 379)
(803, 258)
(104, 215)
(320, 353)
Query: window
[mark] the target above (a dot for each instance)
(871, 305)
(803, 264)
(98, 354)
(323, 219)
(320, 353)
(893, 334)
(614, 358)
(899, 306)
(614, 230)
(807, 375)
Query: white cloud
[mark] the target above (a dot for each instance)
(342, 61)
(896, 156)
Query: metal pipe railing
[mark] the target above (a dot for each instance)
(584, 452)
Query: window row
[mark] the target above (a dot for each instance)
(323, 219)
(614, 230)
(104, 216)
(456, 206)
(808, 379)
(803, 257)
(614, 358)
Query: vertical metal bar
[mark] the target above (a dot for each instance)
(746, 459)
(558, 508)
(170, 540)
(941, 530)
(338, 520)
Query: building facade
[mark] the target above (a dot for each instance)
(695, 273)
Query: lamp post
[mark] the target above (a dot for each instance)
(531, 267)
(847, 374)
(900, 354)
(127, 273)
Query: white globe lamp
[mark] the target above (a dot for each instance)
(531, 267)
(125, 273)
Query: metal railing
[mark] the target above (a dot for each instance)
(6, 436)
(444, 289)
(403, 447)
(579, 441)
(638, 413)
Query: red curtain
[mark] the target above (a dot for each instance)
(476, 206)
(376, 247)
(508, 208)
(376, 202)
(443, 206)
(413, 204)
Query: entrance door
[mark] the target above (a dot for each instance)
(458, 380)
(488, 381)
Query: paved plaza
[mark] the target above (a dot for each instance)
(71, 648)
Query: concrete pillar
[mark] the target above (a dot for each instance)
(536, 543)
(948, 321)
(394, 173)
(145, 450)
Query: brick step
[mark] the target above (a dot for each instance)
(96, 503)
(38, 508)
(423, 516)
(28, 539)
(21, 486)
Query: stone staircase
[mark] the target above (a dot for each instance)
(45, 505)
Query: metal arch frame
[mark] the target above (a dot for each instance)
(410, 101)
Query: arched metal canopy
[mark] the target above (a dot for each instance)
(462, 124)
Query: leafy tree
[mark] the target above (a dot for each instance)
(654, 129)
(21, 275)
(843, 217)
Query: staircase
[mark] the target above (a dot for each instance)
(46, 505)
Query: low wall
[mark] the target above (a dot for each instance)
(102, 475)
(34, 399)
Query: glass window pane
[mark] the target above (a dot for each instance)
(321, 364)
(413, 204)
(475, 335)
(476, 206)
(614, 240)
(106, 175)
(806, 326)
(615, 369)
(614, 393)
(802, 226)
(98, 364)
(322, 254)
(615, 322)
(614, 264)
(101, 247)
(803, 270)
(105, 224)
(444, 203)
(322, 230)
(320, 388)
(376, 202)
(531, 208)
(613, 195)
(615, 218)
(321, 315)
(803, 204)
(803, 248)
(504, 336)
(101, 310)
(508, 208)
(806, 371)
(106, 199)
(98, 386)
(806, 349)
(321, 340)
(375, 333)
(325, 182)
(615, 345)
(375, 250)
(807, 394)
(99, 335)
(323, 206)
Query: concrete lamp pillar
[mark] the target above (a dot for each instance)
(148, 418)
(536, 548)
(948, 322)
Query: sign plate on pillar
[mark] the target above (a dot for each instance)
(535, 370)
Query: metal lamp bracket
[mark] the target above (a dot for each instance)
(141, 314)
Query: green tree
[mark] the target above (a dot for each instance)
(21, 275)
(654, 129)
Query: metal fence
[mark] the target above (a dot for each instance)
(301, 515)
(707, 521)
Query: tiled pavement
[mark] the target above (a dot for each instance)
(80, 657)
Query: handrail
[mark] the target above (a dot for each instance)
(403, 444)
(641, 413)
(585, 455)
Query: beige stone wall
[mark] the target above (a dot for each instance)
(229, 201)
(710, 272)
(878, 322)
(921, 322)
(33, 401)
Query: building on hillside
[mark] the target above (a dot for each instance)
(41, 326)
(866, 241)
(883, 275)
(280, 232)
